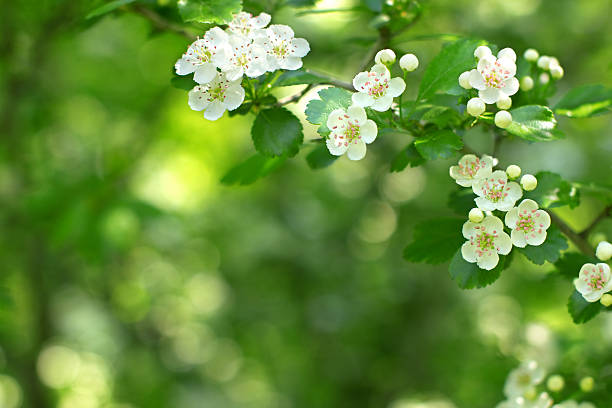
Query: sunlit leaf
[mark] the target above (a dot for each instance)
(534, 123)
(585, 101)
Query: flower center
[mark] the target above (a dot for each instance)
(352, 132)
(494, 76)
(485, 241)
(494, 189)
(202, 54)
(471, 168)
(281, 49)
(377, 88)
(595, 278)
(217, 92)
(523, 379)
(526, 223)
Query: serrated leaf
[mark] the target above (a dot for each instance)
(549, 251)
(462, 201)
(252, 169)
(299, 77)
(443, 72)
(553, 191)
(408, 156)
(209, 11)
(535, 123)
(570, 263)
(318, 110)
(581, 310)
(435, 241)
(469, 275)
(277, 132)
(107, 8)
(585, 101)
(320, 157)
(439, 144)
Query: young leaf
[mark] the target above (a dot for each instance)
(581, 310)
(435, 241)
(209, 11)
(408, 156)
(553, 191)
(277, 132)
(534, 123)
(318, 110)
(585, 101)
(320, 157)
(469, 275)
(252, 169)
(442, 74)
(462, 201)
(439, 144)
(570, 263)
(299, 77)
(549, 251)
(107, 8)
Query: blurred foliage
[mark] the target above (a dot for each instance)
(133, 278)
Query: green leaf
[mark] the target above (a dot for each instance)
(585, 101)
(549, 251)
(435, 241)
(442, 74)
(318, 110)
(185, 83)
(553, 191)
(581, 310)
(301, 3)
(439, 144)
(462, 201)
(570, 263)
(277, 132)
(469, 275)
(209, 11)
(299, 77)
(320, 157)
(107, 8)
(535, 123)
(252, 169)
(408, 156)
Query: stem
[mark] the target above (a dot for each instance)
(384, 39)
(606, 212)
(161, 23)
(295, 98)
(576, 238)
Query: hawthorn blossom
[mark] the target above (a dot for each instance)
(350, 130)
(216, 96)
(523, 379)
(542, 401)
(495, 192)
(283, 50)
(246, 57)
(494, 77)
(471, 168)
(244, 23)
(528, 224)
(204, 56)
(485, 240)
(376, 88)
(593, 281)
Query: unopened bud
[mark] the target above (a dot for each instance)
(409, 62)
(476, 107)
(529, 182)
(543, 62)
(604, 251)
(587, 384)
(531, 55)
(464, 80)
(557, 72)
(526, 83)
(513, 171)
(544, 78)
(504, 102)
(606, 300)
(503, 119)
(555, 383)
(476, 215)
(385, 57)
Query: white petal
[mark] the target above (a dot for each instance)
(261, 20)
(486, 63)
(360, 80)
(469, 229)
(492, 224)
(335, 118)
(205, 73)
(508, 66)
(468, 252)
(300, 47)
(184, 67)
(542, 219)
(484, 204)
(511, 86)
(518, 238)
(281, 30)
(198, 100)
(216, 36)
(512, 218)
(514, 191)
(503, 243)
(234, 73)
(337, 149)
(357, 113)
(356, 150)
(382, 104)
(368, 131)
(536, 237)
(488, 260)
(257, 68)
(362, 99)
(527, 205)
(489, 95)
(382, 71)
(476, 80)
(214, 111)
(234, 98)
(291, 63)
(397, 86)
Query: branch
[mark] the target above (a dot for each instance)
(295, 98)
(384, 39)
(607, 211)
(576, 238)
(162, 23)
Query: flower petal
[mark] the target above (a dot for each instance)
(542, 219)
(335, 148)
(300, 47)
(489, 95)
(382, 71)
(205, 73)
(488, 260)
(536, 237)
(184, 67)
(198, 100)
(484, 204)
(518, 238)
(503, 243)
(368, 131)
(512, 218)
(397, 86)
(335, 118)
(511, 86)
(234, 97)
(214, 111)
(356, 150)
(357, 113)
(382, 104)
(362, 99)
(468, 252)
(476, 80)
(360, 80)
(291, 63)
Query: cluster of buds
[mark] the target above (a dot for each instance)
(595, 280)
(544, 66)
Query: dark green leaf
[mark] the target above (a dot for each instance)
(549, 251)
(408, 156)
(553, 191)
(534, 123)
(277, 132)
(318, 110)
(299, 77)
(107, 8)
(320, 157)
(185, 83)
(209, 11)
(252, 169)
(439, 144)
(469, 275)
(585, 101)
(570, 263)
(462, 201)
(581, 310)
(435, 241)
(301, 3)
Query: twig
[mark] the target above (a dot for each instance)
(384, 39)
(329, 80)
(294, 98)
(161, 23)
(578, 240)
(607, 211)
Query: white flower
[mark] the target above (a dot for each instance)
(476, 107)
(376, 89)
(604, 251)
(485, 240)
(204, 56)
(495, 192)
(573, 404)
(244, 23)
(246, 57)
(528, 224)
(542, 401)
(350, 130)
(529, 182)
(216, 96)
(531, 55)
(503, 119)
(464, 80)
(593, 281)
(284, 51)
(385, 56)
(471, 168)
(494, 77)
(526, 83)
(409, 62)
(523, 379)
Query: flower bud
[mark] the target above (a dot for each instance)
(553, 62)
(604, 251)
(504, 102)
(507, 53)
(555, 383)
(476, 107)
(529, 182)
(544, 78)
(557, 72)
(476, 215)
(409, 62)
(606, 300)
(513, 171)
(530, 394)
(385, 57)
(526, 83)
(464, 80)
(543, 62)
(503, 119)
(587, 384)
(531, 55)
(482, 51)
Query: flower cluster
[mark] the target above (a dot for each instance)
(544, 67)
(595, 280)
(221, 59)
(495, 191)
(351, 130)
